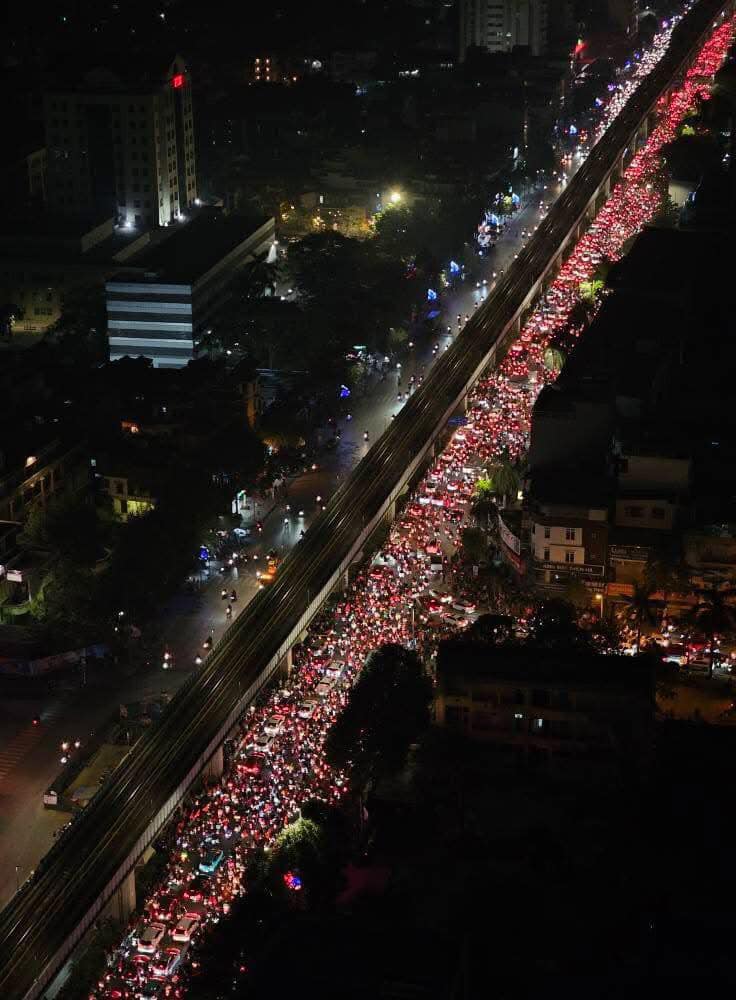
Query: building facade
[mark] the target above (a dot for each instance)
(44, 262)
(164, 312)
(52, 469)
(122, 150)
(499, 25)
(568, 541)
(623, 15)
(547, 706)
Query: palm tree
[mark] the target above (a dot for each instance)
(483, 504)
(668, 573)
(640, 608)
(713, 614)
(507, 479)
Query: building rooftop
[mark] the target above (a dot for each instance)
(70, 239)
(529, 664)
(124, 70)
(669, 263)
(572, 486)
(624, 347)
(195, 248)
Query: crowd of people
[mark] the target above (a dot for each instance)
(414, 592)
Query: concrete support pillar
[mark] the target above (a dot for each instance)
(286, 664)
(215, 766)
(122, 901)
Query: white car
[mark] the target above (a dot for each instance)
(186, 928)
(263, 741)
(167, 962)
(151, 938)
(307, 708)
(273, 725)
(334, 669)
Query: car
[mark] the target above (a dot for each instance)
(335, 669)
(457, 619)
(151, 937)
(324, 687)
(153, 990)
(307, 708)
(675, 652)
(440, 595)
(273, 725)
(167, 962)
(699, 665)
(254, 763)
(195, 892)
(163, 908)
(186, 928)
(209, 864)
(263, 741)
(463, 604)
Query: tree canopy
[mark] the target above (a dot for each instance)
(65, 529)
(387, 709)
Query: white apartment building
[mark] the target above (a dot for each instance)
(120, 150)
(499, 25)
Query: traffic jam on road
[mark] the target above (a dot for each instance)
(411, 593)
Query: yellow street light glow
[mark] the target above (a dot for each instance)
(395, 197)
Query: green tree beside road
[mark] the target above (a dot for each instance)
(66, 529)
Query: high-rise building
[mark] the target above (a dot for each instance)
(122, 148)
(623, 15)
(499, 25)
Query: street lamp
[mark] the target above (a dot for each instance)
(395, 197)
(599, 597)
